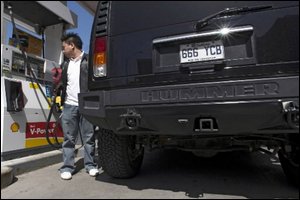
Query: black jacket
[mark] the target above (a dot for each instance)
(83, 78)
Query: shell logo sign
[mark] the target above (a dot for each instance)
(36, 134)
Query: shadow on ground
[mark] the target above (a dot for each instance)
(249, 175)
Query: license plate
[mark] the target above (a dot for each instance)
(204, 51)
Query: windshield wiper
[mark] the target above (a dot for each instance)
(229, 11)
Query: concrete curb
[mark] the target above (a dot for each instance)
(6, 176)
(12, 168)
(15, 167)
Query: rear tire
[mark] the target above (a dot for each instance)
(290, 163)
(119, 155)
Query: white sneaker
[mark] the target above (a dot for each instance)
(93, 172)
(66, 175)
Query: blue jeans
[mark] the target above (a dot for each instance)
(72, 122)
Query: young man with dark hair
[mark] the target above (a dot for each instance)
(74, 81)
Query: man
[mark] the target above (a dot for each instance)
(74, 81)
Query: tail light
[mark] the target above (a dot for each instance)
(99, 66)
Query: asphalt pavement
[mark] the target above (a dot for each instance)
(165, 174)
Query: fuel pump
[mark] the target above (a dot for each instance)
(27, 94)
(31, 108)
(54, 108)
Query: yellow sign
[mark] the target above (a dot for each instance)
(35, 142)
(30, 43)
(34, 85)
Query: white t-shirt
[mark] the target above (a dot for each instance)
(73, 86)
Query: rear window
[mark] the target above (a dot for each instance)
(131, 16)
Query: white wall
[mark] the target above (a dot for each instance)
(52, 42)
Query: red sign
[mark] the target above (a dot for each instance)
(38, 130)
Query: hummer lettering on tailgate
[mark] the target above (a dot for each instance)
(198, 93)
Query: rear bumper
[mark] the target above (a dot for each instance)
(234, 107)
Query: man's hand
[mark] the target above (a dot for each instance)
(56, 75)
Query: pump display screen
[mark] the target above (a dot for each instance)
(18, 65)
(37, 66)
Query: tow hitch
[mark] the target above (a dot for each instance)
(206, 124)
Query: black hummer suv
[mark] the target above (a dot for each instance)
(204, 77)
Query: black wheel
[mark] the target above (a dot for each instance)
(120, 156)
(290, 163)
